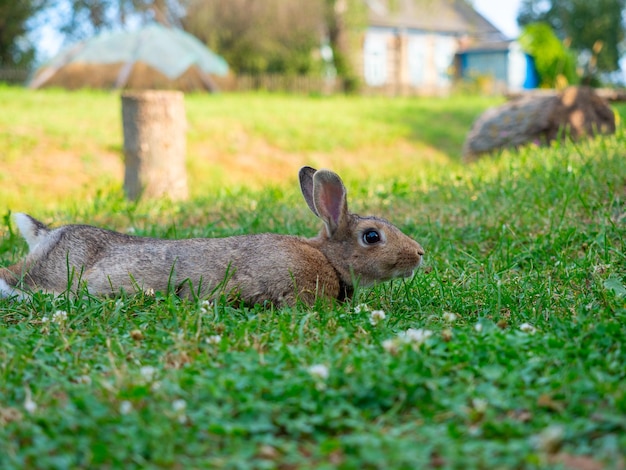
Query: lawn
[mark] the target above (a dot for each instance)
(58, 148)
(505, 351)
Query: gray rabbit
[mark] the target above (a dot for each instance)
(280, 269)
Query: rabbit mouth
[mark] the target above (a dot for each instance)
(407, 274)
(406, 270)
(402, 273)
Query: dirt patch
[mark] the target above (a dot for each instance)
(44, 176)
(47, 175)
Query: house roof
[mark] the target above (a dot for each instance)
(447, 16)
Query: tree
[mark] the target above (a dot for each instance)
(345, 21)
(254, 36)
(87, 17)
(259, 36)
(594, 28)
(280, 36)
(556, 64)
(15, 50)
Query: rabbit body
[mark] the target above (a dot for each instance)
(279, 269)
(108, 262)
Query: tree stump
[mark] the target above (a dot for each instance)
(154, 144)
(541, 118)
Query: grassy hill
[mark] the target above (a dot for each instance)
(505, 351)
(60, 147)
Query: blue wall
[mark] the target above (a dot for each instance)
(532, 77)
(496, 64)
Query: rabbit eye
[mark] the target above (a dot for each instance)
(370, 237)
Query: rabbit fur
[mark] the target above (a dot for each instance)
(279, 269)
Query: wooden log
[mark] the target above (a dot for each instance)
(612, 95)
(154, 144)
(539, 118)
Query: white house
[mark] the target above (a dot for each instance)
(413, 47)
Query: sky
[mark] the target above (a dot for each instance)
(501, 13)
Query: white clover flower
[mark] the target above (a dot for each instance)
(214, 339)
(59, 317)
(148, 373)
(412, 337)
(390, 346)
(126, 407)
(206, 306)
(361, 308)
(29, 404)
(416, 336)
(376, 317)
(45, 319)
(449, 317)
(478, 327)
(479, 405)
(318, 371)
(179, 405)
(550, 438)
(84, 379)
(528, 328)
(149, 292)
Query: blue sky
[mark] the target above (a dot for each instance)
(501, 13)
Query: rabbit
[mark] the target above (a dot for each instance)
(265, 268)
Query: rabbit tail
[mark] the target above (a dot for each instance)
(31, 229)
(33, 232)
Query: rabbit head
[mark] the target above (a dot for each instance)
(361, 249)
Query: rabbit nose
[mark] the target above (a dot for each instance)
(420, 250)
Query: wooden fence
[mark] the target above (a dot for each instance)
(281, 83)
(13, 75)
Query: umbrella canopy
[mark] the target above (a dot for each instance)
(170, 52)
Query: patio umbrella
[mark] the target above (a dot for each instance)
(167, 53)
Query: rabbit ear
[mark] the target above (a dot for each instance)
(306, 186)
(329, 196)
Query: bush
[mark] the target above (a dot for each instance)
(555, 62)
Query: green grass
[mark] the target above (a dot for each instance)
(523, 290)
(58, 147)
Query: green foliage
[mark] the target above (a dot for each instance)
(15, 51)
(556, 64)
(345, 22)
(505, 351)
(596, 27)
(84, 18)
(270, 36)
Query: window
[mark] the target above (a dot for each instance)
(417, 59)
(445, 47)
(375, 59)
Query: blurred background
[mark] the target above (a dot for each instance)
(392, 47)
(284, 69)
